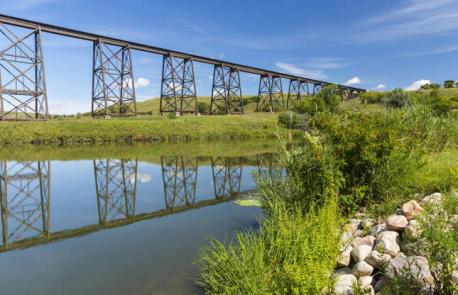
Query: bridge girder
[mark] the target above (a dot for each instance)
(178, 86)
(23, 93)
(113, 83)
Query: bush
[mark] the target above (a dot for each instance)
(328, 99)
(371, 97)
(396, 99)
(203, 107)
(449, 84)
(292, 120)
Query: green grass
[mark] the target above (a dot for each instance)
(144, 129)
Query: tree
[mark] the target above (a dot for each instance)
(449, 84)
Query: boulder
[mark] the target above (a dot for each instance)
(396, 222)
(413, 267)
(360, 252)
(344, 257)
(455, 277)
(413, 230)
(378, 228)
(388, 242)
(411, 209)
(367, 223)
(412, 248)
(362, 269)
(435, 198)
(354, 224)
(346, 238)
(344, 284)
(365, 281)
(377, 259)
(367, 240)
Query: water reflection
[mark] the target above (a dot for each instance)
(26, 201)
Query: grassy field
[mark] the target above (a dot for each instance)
(141, 129)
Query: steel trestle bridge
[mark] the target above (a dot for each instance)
(23, 93)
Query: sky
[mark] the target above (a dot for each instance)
(376, 44)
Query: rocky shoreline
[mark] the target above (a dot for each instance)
(375, 253)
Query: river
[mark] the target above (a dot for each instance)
(121, 219)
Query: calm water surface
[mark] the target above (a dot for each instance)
(119, 225)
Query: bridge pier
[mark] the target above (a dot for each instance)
(116, 188)
(113, 83)
(226, 97)
(227, 176)
(178, 86)
(23, 94)
(25, 197)
(270, 94)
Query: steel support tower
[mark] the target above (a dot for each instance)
(25, 200)
(23, 94)
(178, 86)
(270, 94)
(296, 91)
(116, 188)
(113, 83)
(179, 176)
(226, 96)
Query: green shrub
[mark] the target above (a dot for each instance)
(372, 97)
(396, 99)
(449, 83)
(292, 120)
(328, 99)
(203, 107)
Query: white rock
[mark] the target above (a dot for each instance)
(362, 269)
(413, 230)
(367, 240)
(411, 209)
(344, 257)
(346, 238)
(455, 277)
(435, 198)
(396, 222)
(377, 259)
(354, 224)
(343, 271)
(378, 228)
(388, 242)
(344, 284)
(417, 268)
(361, 252)
(365, 281)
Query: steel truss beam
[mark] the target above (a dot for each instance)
(179, 176)
(23, 94)
(226, 97)
(25, 200)
(227, 176)
(270, 94)
(113, 83)
(178, 85)
(116, 188)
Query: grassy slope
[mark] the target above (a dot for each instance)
(154, 104)
(154, 128)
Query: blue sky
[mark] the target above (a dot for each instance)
(376, 44)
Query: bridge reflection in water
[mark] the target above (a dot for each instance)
(26, 195)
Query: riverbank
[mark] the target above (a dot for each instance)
(72, 131)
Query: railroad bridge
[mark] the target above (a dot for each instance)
(23, 93)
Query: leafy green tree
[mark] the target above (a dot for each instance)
(397, 98)
(449, 84)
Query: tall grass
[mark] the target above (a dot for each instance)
(295, 250)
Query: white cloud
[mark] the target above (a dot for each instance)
(417, 84)
(142, 82)
(298, 71)
(353, 81)
(325, 63)
(143, 178)
(380, 87)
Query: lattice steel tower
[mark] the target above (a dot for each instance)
(23, 94)
(226, 97)
(113, 83)
(227, 176)
(178, 86)
(270, 94)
